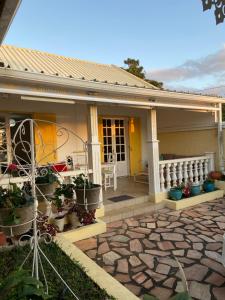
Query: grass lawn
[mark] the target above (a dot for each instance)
(70, 270)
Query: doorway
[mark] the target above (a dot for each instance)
(115, 142)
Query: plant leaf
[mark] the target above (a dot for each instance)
(149, 297)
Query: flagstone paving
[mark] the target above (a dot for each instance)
(139, 251)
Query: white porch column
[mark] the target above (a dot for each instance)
(94, 145)
(153, 155)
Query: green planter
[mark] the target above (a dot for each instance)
(175, 194)
(195, 190)
(209, 186)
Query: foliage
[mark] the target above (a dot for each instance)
(46, 176)
(179, 296)
(82, 182)
(179, 187)
(65, 190)
(70, 270)
(58, 202)
(133, 67)
(85, 217)
(45, 227)
(19, 285)
(209, 180)
(14, 197)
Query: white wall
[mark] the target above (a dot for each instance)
(171, 120)
(73, 117)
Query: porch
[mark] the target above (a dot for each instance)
(139, 138)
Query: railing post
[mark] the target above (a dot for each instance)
(211, 163)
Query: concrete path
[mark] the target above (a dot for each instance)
(139, 251)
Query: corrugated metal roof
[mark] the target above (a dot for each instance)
(29, 60)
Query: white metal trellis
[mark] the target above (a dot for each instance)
(28, 168)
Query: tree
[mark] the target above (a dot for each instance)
(219, 6)
(133, 67)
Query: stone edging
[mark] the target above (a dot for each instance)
(96, 273)
(184, 203)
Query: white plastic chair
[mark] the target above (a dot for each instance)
(109, 173)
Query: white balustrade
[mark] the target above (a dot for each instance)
(176, 171)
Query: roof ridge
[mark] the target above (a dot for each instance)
(58, 55)
(137, 78)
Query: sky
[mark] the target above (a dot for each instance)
(173, 39)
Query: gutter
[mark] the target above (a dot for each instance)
(93, 99)
(100, 87)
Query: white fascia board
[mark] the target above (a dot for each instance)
(106, 87)
(115, 101)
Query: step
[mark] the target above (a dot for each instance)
(126, 203)
(131, 211)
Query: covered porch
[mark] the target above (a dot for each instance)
(166, 146)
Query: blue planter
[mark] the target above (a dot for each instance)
(175, 194)
(209, 187)
(195, 190)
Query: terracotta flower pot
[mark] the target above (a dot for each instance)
(2, 239)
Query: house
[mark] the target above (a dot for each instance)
(172, 136)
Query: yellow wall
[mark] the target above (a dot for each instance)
(195, 142)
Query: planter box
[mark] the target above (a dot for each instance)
(84, 232)
(220, 185)
(188, 202)
(103, 279)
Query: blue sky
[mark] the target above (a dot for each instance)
(174, 40)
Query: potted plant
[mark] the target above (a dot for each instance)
(216, 175)
(67, 192)
(209, 185)
(16, 207)
(46, 183)
(176, 192)
(59, 219)
(195, 189)
(87, 193)
(73, 216)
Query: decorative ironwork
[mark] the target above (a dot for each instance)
(22, 153)
(219, 6)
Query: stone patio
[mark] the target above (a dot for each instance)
(139, 251)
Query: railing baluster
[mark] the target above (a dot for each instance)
(190, 167)
(196, 171)
(185, 172)
(201, 171)
(168, 176)
(206, 167)
(162, 178)
(174, 174)
(180, 172)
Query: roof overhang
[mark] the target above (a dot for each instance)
(38, 85)
(8, 10)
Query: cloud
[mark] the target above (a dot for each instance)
(211, 65)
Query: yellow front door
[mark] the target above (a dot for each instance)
(45, 138)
